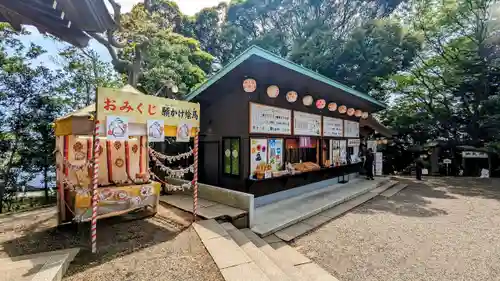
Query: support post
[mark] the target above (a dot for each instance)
(195, 176)
(95, 183)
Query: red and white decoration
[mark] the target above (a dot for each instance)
(358, 113)
(320, 104)
(273, 91)
(332, 106)
(292, 96)
(307, 100)
(249, 85)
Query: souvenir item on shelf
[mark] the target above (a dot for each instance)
(307, 100)
(273, 91)
(249, 85)
(342, 109)
(350, 111)
(332, 106)
(320, 104)
(291, 96)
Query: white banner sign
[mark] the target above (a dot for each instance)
(116, 127)
(156, 130)
(270, 120)
(474, 154)
(351, 129)
(353, 142)
(258, 153)
(378, 163)
(332, 127)
(305, 124)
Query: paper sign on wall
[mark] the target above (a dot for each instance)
(351, 129)
(305, 124)
(183, 132)
(258, 153)
(270, 120)
(332, 127)
(276, 154)
(117, 127)
(156, 130)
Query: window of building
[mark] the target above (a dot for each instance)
(231, 156)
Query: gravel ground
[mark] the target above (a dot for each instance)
(440, 229)
(163, 247)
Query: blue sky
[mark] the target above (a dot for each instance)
(189, 7)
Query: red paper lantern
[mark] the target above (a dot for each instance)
(320, 104)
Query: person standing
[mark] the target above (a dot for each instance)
(419, 165)
(370, 158)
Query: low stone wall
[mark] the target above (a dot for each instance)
(236, 199)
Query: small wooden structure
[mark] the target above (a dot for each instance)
(262, 112)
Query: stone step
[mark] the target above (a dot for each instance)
(286, 266)
(47, 266)
(392, 191)
(261, 260)
(277, 216)
(233, 263)
(305, 226)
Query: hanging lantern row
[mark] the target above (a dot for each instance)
(250, 85)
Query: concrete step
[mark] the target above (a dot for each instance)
(277, 216)
(297, 265)
(48, 266)
(233, 263)
(261, 260)
(286, 266)
(305, 226)
(392, 191)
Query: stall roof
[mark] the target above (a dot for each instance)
(375, 124)
(66, 19)
(315, 81)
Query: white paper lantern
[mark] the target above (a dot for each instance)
(249, 85)
(364, 115)
(350, 111)
(307, 100)
(273, 91)
(292, 96)
(342, 109)
(358, 113)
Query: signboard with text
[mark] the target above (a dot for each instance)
(332, 127)
(351, 129)
(305, 124)
(270, 120)
(139, 108)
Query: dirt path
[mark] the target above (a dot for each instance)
(163, 247)
(440, 229)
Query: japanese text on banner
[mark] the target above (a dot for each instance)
(140, 108)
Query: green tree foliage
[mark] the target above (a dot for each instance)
(170, 57)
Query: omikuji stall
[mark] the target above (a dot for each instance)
(116, 136)
(270, 126)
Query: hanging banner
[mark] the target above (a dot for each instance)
(270, 120)
(139, 108)
(378, 163)
(306, 124)
(156, 133)
(117, 128)
(351, 129)
(258, 153)
(276, 154)
(333, 127)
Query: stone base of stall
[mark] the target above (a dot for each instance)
(275, 216)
